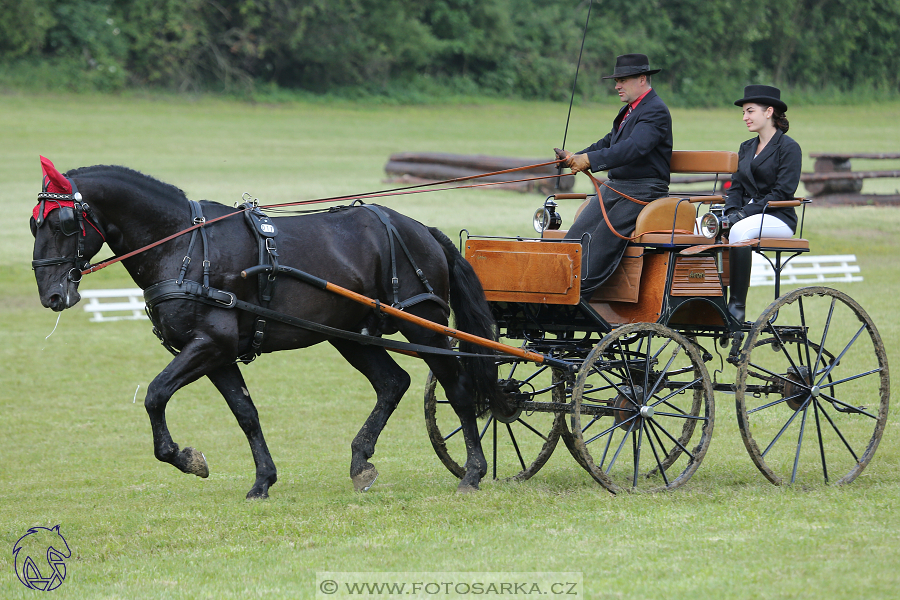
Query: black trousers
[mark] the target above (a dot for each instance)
(602, 249)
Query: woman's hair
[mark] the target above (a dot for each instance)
(779, 120)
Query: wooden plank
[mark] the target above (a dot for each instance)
(696, 276)
(527, 271)
(648, 308)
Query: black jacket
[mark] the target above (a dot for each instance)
(643, 148)
(773, 175)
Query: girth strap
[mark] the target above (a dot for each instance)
(191, 290)
(197, 218)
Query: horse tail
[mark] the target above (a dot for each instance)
(473, 315)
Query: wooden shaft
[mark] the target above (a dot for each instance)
(454, 333)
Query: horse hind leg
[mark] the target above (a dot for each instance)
(390, 382)
(460, 393)
(230, 383)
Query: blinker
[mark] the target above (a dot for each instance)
(68, 223)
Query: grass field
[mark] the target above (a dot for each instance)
(75, 445)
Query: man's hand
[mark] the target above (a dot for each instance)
(577, 162)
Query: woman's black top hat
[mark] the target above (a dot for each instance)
(629, 65)
(762, 94)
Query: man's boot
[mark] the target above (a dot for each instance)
(739, 264)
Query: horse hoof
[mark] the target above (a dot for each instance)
(257, 495)
(364, 480)
(465, 488)
(195, 462)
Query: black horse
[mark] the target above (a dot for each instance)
(349, 247)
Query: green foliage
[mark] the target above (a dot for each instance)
(708, 49)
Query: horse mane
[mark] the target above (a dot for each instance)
(130, 176)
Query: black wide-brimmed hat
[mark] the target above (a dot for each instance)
(629, 65)
(762, 94)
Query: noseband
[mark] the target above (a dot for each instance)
(72, 221)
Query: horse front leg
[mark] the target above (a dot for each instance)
(390, 382)
(191, 363)
(230, 383)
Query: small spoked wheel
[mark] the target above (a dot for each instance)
(643, 410)
(812, 388)
(515, 447)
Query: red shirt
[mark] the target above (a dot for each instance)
(631, 107)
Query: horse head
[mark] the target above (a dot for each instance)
(66, 235)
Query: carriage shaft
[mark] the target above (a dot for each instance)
(395, 312)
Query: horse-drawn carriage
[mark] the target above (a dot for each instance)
(811, 383)
(624, 378)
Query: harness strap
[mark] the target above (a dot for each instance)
(392, 235)
(191, 290)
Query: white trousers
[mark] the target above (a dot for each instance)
(748, 228)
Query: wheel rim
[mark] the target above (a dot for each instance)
(514, 450)
(812, 388)
(643, 409)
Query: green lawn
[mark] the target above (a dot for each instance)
(75, 445)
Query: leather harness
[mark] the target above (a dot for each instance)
(265, 233)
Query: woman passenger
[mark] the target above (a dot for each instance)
(768, 170)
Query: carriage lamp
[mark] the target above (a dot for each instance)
(546, 217)
(714, 223)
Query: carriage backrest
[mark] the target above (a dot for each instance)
(703, 161)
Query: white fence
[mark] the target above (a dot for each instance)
(807, 270)
(102, 302)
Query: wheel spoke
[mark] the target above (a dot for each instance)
(669, 435)
(490, 420)
(821, 441)
(841, 355)
(838, 432)
(853, 377)
(619, 449)
(854, 409)
(512, 437)
(636, 451)
(799, 445)
(613, 428)
(659, 465)
(452, 433)
(783, 429)
(532, 429)
(824, 335)
(771, 404)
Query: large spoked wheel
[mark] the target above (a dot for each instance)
(643, 409)
(812, 388)
(515, 448)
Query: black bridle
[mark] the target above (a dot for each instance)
(72, 221)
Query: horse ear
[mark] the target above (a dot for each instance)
(56, 183)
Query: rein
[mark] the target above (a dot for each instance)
(411, 189)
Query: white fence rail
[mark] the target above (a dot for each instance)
(807, 270)
(103, 302)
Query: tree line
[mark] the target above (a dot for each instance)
(707, 49)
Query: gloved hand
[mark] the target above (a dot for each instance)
(735, 214)
(576, 162)
(562, 154)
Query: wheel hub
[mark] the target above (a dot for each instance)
(799, 382)
(627, 406)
